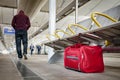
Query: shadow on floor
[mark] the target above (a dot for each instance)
(26, 73)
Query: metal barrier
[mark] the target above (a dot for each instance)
(80, 26)
(105, 15)
(93, 15)
(61, 31)
(56, 36)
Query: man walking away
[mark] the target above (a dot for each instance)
(21, 24)
(31, 48)
(38, 48)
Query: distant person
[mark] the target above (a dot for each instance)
(31, 48)
(21, 24)
(38, 48)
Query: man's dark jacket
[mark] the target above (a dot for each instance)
(21, 21)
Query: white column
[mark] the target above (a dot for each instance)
(76, 12)
(52, 17)
(18, 5)
(52, 24)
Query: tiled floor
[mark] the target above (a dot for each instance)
(8, 71)
(37, 68)
(39, 65)
(26, 73)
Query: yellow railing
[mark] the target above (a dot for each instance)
(105, 15)
(106, 42)
(61, 31)
(48, 36)
(80, 26)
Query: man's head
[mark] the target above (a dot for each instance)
(21, 12)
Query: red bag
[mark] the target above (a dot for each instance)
(84, 58)
(71, 56)
(91, 59)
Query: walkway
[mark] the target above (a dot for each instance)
(37, 68)
(8, 70)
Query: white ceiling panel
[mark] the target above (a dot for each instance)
(60, 4)
(40, 19)
(7, 15)
(8, 3)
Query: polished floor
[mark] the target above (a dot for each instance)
(8, 70)
(37, 68)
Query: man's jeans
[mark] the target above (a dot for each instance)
(21, 36)
(32, 51)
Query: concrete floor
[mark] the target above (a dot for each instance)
(38, 64)
(37, 68)
(8, 70)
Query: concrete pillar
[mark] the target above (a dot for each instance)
(52, 17)
(52, 24)
(76, 12)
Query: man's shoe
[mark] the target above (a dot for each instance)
(25, 57)
(19, 59)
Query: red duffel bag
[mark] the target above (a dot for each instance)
(84, 58)
(71, 56)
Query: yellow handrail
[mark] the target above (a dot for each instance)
(52, 35)
(106, 42)
(61, 31)
(105, 15)
(48, 37)
(82, 27)
(70, 25)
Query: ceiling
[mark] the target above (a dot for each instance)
(8, 3)
(37, 10)
(29, 7)
(63, 8)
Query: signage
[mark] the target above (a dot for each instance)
(8, 30)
